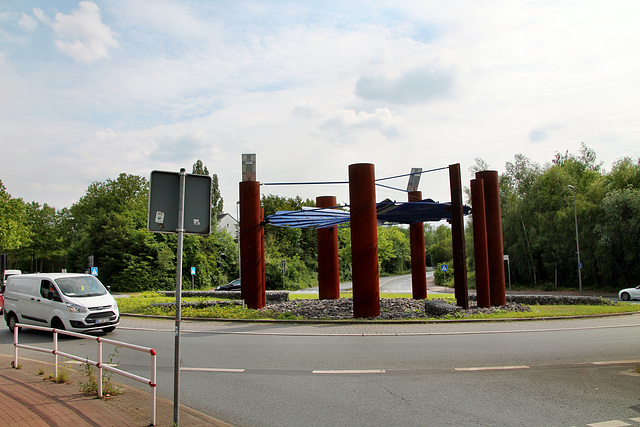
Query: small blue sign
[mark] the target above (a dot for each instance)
(193, 271)
(580, 265)
(94, 271)
(444, 268)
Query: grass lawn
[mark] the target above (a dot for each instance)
(141, 304)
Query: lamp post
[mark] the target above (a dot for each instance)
(575, 214)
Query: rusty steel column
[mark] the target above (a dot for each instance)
(457, 237)
(250, 245)
(263, 291)
(480, 243)
(328, 264)
(364, 240)
(494, 236)
(418, 261)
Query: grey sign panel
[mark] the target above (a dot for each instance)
(164, 189)
(197, 204)
(164, 192)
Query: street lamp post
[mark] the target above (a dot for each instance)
(575, 214)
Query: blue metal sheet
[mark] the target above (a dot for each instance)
(387, 211)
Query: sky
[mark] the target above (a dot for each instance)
(92, 89)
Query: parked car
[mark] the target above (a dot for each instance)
(629, 293)
(231, 286)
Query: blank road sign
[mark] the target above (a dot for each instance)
(164, 192)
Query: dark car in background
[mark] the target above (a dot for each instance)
(231, 286)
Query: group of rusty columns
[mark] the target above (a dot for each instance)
(364, 244)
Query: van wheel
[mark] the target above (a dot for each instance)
(57, 324)
(109, 329)
(11, 322)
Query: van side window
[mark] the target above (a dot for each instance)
(48, 290)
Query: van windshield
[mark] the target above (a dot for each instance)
(81, 286)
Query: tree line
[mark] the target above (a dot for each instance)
(538, 214)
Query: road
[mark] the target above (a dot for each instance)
(391, 284)
(545, 373)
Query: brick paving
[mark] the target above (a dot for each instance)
(26, 399)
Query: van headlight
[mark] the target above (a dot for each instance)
(75, 308)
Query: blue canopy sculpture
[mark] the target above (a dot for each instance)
(387, 211)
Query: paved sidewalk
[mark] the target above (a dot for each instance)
(26, 399)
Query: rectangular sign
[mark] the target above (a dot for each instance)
(164, 194)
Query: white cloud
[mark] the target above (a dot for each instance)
(413, 87)
(27, 22)
(311, 88)
(82, 34)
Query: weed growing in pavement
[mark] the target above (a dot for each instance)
(91, 385)
(63, 375)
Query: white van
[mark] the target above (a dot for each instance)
(75, 302)
(8, 273)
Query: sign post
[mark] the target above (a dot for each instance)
(179, 203)
(193, 278)
(444, 268)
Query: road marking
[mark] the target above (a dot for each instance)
(239, 371)
(613, 423)
(493, 368)
(350, 371)
(615, 362)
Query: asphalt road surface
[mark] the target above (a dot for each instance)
(544, 373)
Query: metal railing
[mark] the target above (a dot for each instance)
(99, 364)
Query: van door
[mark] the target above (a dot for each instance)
(29, 301)
(50, 303)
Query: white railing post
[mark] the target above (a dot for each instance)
(99, 381)
(153, 384)
(15, 347)
(55, 355)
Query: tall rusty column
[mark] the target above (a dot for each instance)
(480, 243)
(457, 237)
(494, 236)
(251, 236)
(418, 261)
(262, 277)
(364, 240)
(328, 263)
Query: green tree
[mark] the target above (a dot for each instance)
(110, 222)
(14, 231)
(394, 251)
(217, 203)
(46, 250)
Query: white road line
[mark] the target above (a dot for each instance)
(350, 371)
(493, 368)
(615, 362)
(613, 423)
(239, 371)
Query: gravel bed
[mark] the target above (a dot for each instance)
(396, 308)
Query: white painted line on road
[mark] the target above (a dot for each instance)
(493, 368)
(613, 423)
(351, 371)
(615, 362)
(239, 371)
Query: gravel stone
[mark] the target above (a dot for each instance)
(396, 308)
